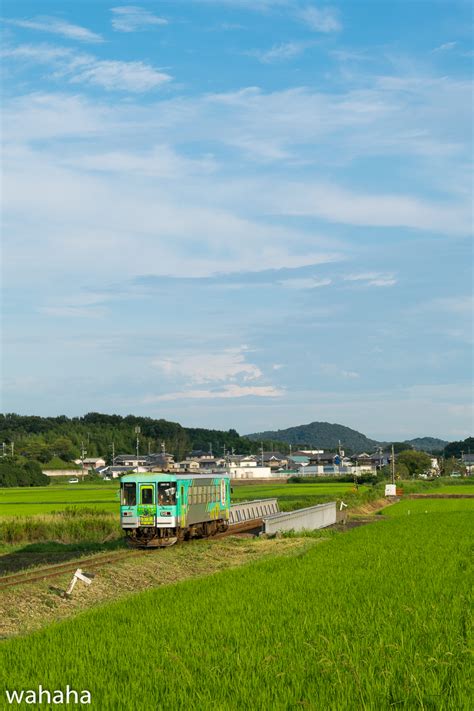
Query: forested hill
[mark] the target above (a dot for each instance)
(42, 438)
(427, 444)
(320, 435)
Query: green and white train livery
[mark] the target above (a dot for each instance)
(161, 509)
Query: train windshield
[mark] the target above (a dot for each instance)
(166, 493)
(129, 494)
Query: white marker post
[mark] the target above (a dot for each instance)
(78, 575)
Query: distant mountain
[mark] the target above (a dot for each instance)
(427, 444)
(320, 435)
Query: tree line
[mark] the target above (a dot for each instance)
(44, 438)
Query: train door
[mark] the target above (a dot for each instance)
(146, 506)
(147, 494)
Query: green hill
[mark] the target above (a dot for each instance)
(320, 435)
(427, 444)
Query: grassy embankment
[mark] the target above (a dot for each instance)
(373, 619)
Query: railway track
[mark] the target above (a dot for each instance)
(58, 569)
(54, 571)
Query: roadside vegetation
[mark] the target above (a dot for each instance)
(377, 618)
(71, 525)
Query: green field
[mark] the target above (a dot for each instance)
(26, 501)
(373, 619)
(467, 488)
(408, 507)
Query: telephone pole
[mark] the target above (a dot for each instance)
(137, 432)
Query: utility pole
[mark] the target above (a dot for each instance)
(137, 432)
(13, 449)
(261, 443)
(393, 464)
(83, 456)
(113, 454)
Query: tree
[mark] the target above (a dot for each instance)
(455, 449)
(451, 465)
(416, 462)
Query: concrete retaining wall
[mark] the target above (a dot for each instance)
(309, 519)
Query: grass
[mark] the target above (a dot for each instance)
(46, 499)
(296, 496)
(71, 525)
(421, 506)
(375, 619)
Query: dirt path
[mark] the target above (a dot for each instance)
(31, 607)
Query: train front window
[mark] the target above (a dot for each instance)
(146, 494)
(166, 493)
(129, 494)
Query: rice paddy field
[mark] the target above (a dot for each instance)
(376, 618)
(409, 507)
(23, 501)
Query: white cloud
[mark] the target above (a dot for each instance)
(280, 52)
(81, 68)
(130, 18)
(372, 278)
(445, 47)
(230, 391)
(324, 19)
(210, 367)
(122, 76)
(305, 283)
(58, 27)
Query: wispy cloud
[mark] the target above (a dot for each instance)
(305, 283)
(280, 52)
(324, 19)
(81, 68)
(230, 391)
(446, 47)
(372, 278)
(209, 367)
(130, 18)
(58, 27)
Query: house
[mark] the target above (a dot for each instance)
(160, 462)
(130, 460)
(188, 465)
(91, 462)
(114, 472)
(248, 472)
(242, 460)
(274, 460)
(468, 461)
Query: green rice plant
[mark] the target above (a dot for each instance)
(409, 507)
(70, 526)
(375, 619)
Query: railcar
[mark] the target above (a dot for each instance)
(158, 510)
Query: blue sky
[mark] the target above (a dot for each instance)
(239, 214)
